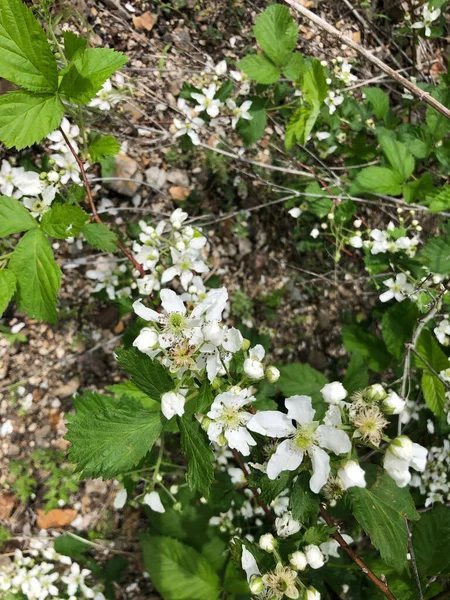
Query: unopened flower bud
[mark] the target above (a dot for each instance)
(245, 344)
(253, 368)
(267, 542)
(43, 176)
(393, 404)
(334, 392)
(205, 423)
(312, 594)
(272, 374)
(256, 584)
(314, 556)
(376, 392)
(298, 560)
(401, 447)
(177, 506)
(222, 440)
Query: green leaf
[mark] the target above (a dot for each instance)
(103, 146)
(380, 510)
(357, 376)
(204, 399)
(64, 220)
(110, 441)
(7, 288)
(73, 43)
(314, 84)
(438, 124)
(441, 201)
(436, 255)
(371, 348)
(318, 534)
(276, 32)
(27, 118)
(259, 68)
(304, 504)
(88, 72)
(428, 348)
(434, 393)
(397, 325)
(270, 488)
(38, 276)
(398, 155)
(300, 126)
(27, 59)
(379, 180)
(431, 541)
(130, 390)
(149, 375)
(251, 131)
(100, 236)
(298, 378)
(178, 571)
(295, 67)
(378, 99)
(199, 454)
(90, 402)
(14, 217)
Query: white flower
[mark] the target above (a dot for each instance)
(286, 525)
(178, 217)
(105, 277)
(442, 332)
(75, 581)
(314, 556)
(356, 241)
(267, 542)
(312, 594)
(380, 243)
(188, 127)
(315, 233)
(206, 101)
(428, 16)
(58, 142)
(334, 392)
(25, 183)
(147, 284)
(331, 546)
(69, 164)
(239, 112)
(281, 503)
(221, 68)
(272, 374)
(351, 475)
(402, 454)
(398, 288)
(243, 79)
(153, 501)
(393, 404)
(39, 206)
(147, 341)
(184, 265)
(106, 98)
(253, 366)
(120, 499)
(295, 212)
(298, 560)
(249, 564)
(229, 420)
(6, 428)
(306, 436)
(172, 403)
(333, 101)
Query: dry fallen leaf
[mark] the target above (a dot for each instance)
(145, 21)
(57, 517)
(178, 193)
(7, 502)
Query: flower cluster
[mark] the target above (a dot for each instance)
(47, 574)
(434, 481)
(428, 18)
(110, 94)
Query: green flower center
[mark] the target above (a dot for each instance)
(176, 323)
(304, 437)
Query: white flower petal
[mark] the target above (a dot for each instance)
(145, 313)
(171, 302)
(321, 469)
(333, 439)
(271, 423)
(300, 408)
(286, 458)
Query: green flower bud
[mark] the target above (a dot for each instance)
(256, 584)
(376, 392)
(272, 374)
(205, 423)
(43, 176)
(177, 506)
(245, 344)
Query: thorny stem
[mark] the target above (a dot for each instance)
(329, 521)
(413, 560)
(95, 216)
(352, 554)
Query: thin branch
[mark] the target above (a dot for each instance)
(352, 554)
(427, 364)
(95, 216)
(414, 89)
(258, 498)
(413, 560)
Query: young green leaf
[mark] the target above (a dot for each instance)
(380, 510)
(276, 32)
(73, 43)
(64, 220)
(303, 503)
(103, 146)
(88, 72)
(295, 67)
(298, 378)
(38, 276)
(436, 255)
(27, 118)
(270, 488)
(259, 68)
(110, 441)
(378, 180)
(149, 375)
(372, 349)
(178, 571)
(300, 126)
(7, 288)
(357, 376)
(204, 399)
(26, 57)
(378, 99)
(398, 155)
(397, 325)
(431, 541)
(100, 236)
(314, 84)
(251, 131)
(434, 393)
(14, 217)
(199, 454)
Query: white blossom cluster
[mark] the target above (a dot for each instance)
(434, 481)
(428, 18)
(47, 574)
(110, 94)
(107, 275)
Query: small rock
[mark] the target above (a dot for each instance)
(182, 38)
(178, 177)
(156, 177)
(95, 486)
(126, 168)
(131, 112)
(145, 21)
(178, 193)
(7, 502)
(67, 389)
(57, 517)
